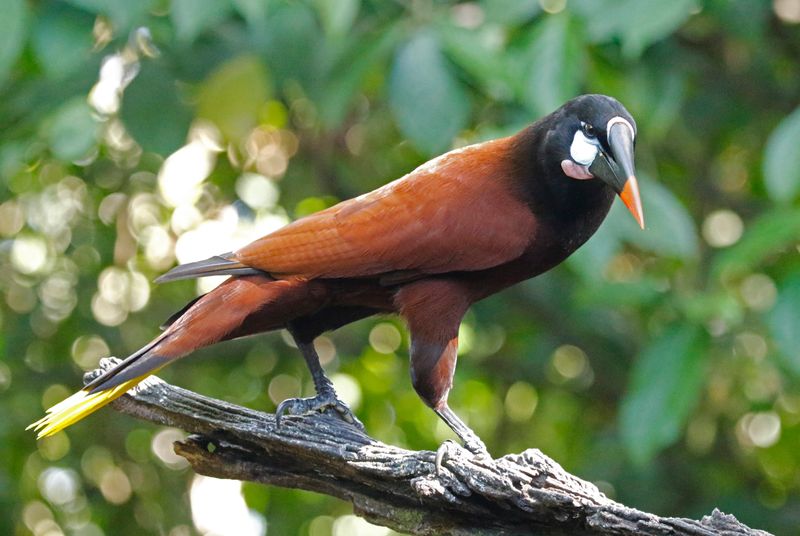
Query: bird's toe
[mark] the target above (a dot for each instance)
(450, 448)
(291, 406)
(317, 404)
(443, 452)
(347, 415)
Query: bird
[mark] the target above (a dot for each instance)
(455, 230)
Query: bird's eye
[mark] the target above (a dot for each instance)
(588, 130)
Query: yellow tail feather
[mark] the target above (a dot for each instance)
(79, 405)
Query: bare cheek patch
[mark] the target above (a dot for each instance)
(575, 171)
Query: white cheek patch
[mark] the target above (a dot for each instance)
(583, 150)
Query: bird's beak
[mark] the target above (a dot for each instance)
(617, 169)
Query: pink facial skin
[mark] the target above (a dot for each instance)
(575, 171)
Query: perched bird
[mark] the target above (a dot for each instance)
(427, 246)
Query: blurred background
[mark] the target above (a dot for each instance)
(663, 365)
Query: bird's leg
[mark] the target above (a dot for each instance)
(325, 398)
(472, 442)
(433, 310)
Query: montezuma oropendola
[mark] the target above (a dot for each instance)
(455, 230)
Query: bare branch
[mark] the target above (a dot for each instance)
(516, 494)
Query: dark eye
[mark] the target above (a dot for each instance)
(588, 130)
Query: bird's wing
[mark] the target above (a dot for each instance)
(455, 213)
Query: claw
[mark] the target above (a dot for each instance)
(442, 452)
(476, 448)
(317, 404)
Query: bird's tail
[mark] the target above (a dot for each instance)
(79, 405)
(104, 389)
(240, 306)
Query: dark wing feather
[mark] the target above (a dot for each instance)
(218, 265)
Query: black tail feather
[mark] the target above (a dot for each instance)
(101, 382)
(219, 265)
(171, 320)
(141, 364)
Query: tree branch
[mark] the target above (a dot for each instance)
(516, 494)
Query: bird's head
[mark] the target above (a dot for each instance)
(593, 137)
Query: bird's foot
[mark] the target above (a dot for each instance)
(473, 444)
(317, 404)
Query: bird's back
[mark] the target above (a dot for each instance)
(458, 212)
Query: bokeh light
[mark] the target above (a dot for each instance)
(761, 429)
(349, 524)
(162, 447)
(283, 386)
(759, 292)
(787, 10)
(520, 402)
(29, 254)
(219, 509)
(59, 486)
(181, 177)
(115, 486)
(257, 191)
(385, 338)
(348, 389)
(722, 228)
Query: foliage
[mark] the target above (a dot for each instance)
(663, 363)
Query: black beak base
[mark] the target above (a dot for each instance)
(618, 170)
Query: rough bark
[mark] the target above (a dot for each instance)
(526, 493)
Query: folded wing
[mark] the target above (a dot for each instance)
(455, 213)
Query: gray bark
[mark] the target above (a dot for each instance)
(526, 493)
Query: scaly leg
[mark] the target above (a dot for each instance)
(326, 397)
(472, 442)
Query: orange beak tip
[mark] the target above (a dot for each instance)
(630, 196)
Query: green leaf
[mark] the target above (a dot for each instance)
(62, 39)
(233, 94)
(557, 61)
(193, 17)
(770, 234)
(638, 23)
(153, 112)
(591, 258)
(634, 294)
(253, 11)
(743, 20)
(72, 132)
(670, 231)
(428, 103)
(782, 160)
(510, 11)
(290, 24)
(480, 55)
(337, 16)
(783, 323)
(655, 94)
(334, 97)
(13, 30)
(124, 14)
(664, 387)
